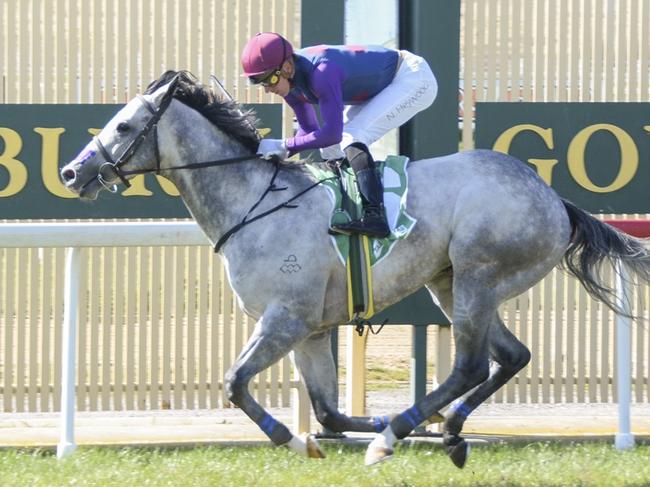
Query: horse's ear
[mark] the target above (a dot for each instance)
(165, 79)
(158, 94)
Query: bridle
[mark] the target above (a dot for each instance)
(151, 125)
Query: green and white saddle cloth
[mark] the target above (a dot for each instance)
(395, 180)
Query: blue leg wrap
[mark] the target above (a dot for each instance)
(268, 424)
(413, 417)
(461, 409)
(380, 423)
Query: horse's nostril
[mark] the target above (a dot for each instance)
(68, 175)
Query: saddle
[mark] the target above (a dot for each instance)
(360, 252)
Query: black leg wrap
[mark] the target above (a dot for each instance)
(280, 435)
(335, 422)
(401, 427)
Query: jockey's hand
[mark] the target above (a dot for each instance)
(273, 147)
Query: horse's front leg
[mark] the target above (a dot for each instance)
(314, 360)
(275, 334)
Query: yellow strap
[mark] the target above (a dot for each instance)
(370, 304)
(350, 300)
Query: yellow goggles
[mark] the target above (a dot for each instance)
(271, 79)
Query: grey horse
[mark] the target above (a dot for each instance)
(488, 228)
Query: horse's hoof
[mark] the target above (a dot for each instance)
(376, 454)
(313, 449)
(459, 453)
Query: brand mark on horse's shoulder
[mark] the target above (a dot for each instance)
(290, 265)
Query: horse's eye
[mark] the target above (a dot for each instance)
(123, 127)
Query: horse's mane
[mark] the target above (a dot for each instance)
(226, 114)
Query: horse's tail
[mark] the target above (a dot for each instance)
(594, 242)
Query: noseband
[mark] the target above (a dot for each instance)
(114, 167)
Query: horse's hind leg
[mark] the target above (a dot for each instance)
(441, 290)
(275, 334)
(314, 360)
(473, 302)
(510, 356)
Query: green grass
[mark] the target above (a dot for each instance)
(379, 377)
(538, 464)
(388, 375)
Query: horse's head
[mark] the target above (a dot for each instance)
(126, 146)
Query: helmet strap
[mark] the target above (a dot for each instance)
(287, 73)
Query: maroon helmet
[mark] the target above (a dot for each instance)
(265, 52)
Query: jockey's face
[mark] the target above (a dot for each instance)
(282, 87)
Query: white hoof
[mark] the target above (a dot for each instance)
(313, 448)
(377, 454)
(305, 445)
(381, 448)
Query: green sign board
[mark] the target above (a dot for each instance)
(594, 154)
(36, 140)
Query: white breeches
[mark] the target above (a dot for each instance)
(413, 89)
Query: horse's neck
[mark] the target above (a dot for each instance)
(217, 197)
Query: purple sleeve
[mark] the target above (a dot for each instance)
(326, 83)
(305, 114)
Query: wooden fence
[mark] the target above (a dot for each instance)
(159, 326)
(107, 51)
(560, 51)
(553, 51)
(572, 340)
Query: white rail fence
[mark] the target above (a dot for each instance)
(76, 236)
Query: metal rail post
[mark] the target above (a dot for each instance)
(68, 360)
(624, 438)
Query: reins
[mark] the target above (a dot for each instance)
(286, 204)
(193, 165)
(271, 188)
(152, 125)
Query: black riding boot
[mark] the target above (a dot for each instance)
(373, 221)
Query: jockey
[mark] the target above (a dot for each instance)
(382, 89)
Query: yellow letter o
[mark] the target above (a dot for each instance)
(629, 158)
